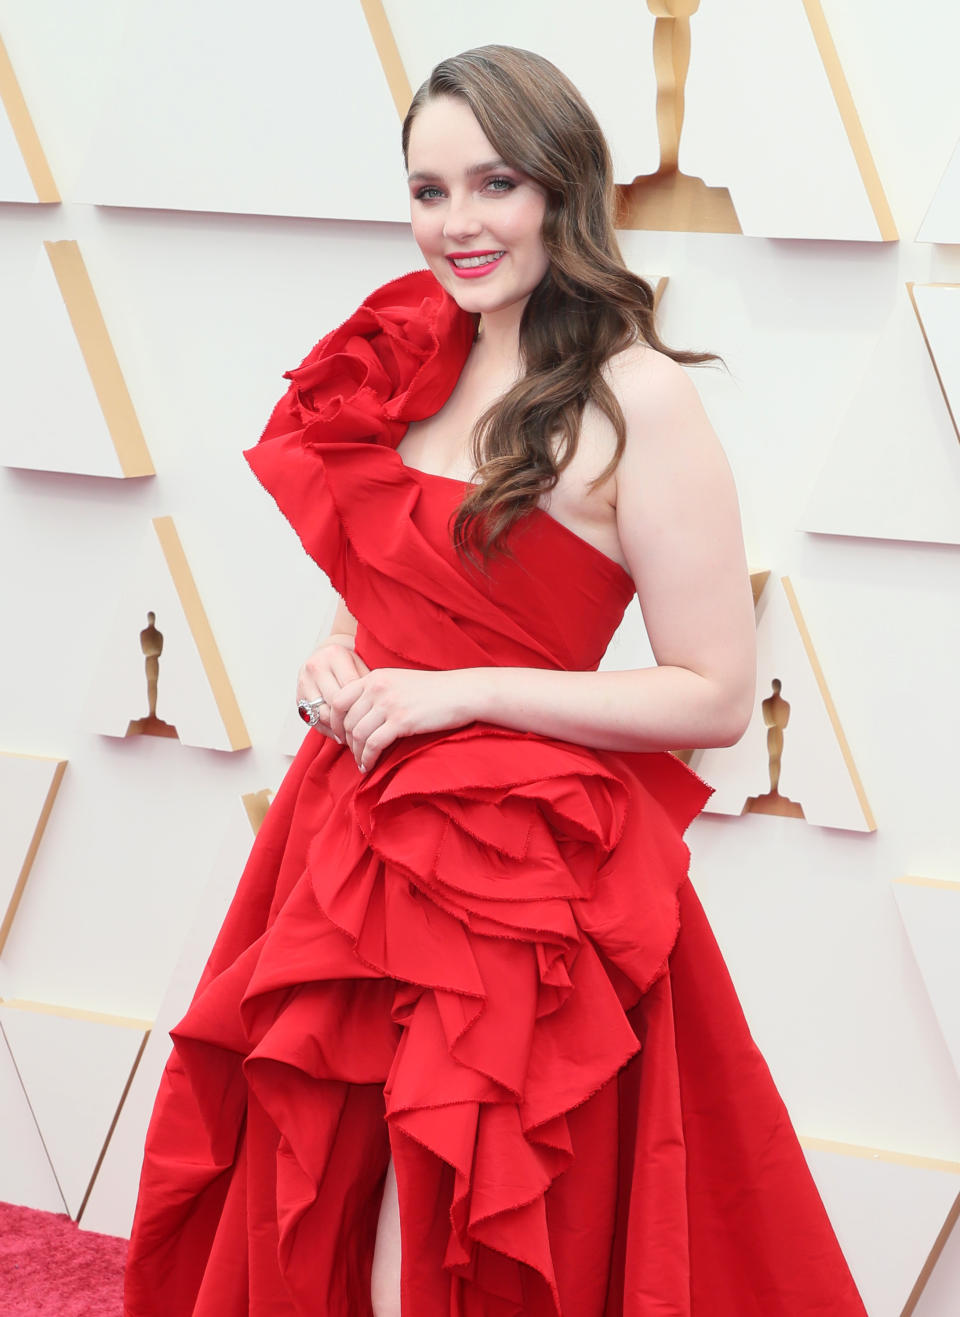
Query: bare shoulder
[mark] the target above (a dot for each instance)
(653, 391)
(673, 459)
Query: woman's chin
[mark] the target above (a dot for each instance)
(478, 297)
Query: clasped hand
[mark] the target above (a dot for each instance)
(367, 709)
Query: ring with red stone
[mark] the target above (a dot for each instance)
(309, 710)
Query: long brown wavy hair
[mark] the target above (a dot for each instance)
(587, 307)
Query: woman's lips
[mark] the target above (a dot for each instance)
(474, 271)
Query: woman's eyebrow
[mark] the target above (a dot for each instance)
(420, 175)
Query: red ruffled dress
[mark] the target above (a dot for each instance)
(484, 956)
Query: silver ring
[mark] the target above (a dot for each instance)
(309, 710)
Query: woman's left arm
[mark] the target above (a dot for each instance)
(679, 525)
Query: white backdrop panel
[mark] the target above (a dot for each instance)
(28, 1178)
(939, 1297)
(931, 916)
(894, 472)
(279, 110)
(887, 1215)
(813, 770)
(812, 937)
(41, 345)
(26, 782)
(119, 692)
(63, 55)
(762, 120)
(15, 181)
(938, 306)
(613, 68)
(113, 1197)
(942, 220)
(74, 1072)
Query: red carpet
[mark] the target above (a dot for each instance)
(50, 1268)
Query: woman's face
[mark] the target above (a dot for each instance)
(476, 219)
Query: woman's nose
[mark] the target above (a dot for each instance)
(461, 219)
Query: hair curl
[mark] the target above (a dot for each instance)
(587, 307)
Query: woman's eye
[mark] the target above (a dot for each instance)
(430, 191)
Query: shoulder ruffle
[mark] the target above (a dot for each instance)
(395, 360)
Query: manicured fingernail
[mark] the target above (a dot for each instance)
(338, 741)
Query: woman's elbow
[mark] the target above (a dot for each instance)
(732, 734)
(732, 715)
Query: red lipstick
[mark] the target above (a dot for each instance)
(474, 271)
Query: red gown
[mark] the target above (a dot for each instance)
(484, 956)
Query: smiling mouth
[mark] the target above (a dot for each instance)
(468, 262)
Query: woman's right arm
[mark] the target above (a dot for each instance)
(331, 665)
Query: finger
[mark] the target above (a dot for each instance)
(314, 682)
(325, 730)
(342, 665)
(328, 669)
(316, 714)
(308, 684)
(361, 715)
(362, 730)
(359, 709)
(341, 703)
(346, 664)
(344, 698)
(379, 739)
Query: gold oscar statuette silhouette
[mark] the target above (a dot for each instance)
(151, 645)
(776, 715)
(669, 200)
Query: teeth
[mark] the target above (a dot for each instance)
(465, 262)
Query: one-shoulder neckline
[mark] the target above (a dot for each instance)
(542, 512)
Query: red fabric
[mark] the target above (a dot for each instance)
(484, 956)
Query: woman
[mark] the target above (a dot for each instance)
(467, 910)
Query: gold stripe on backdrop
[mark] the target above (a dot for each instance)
(101, 360)
(828, 702)
(10, 914)
(910, 881)
(24, 131)
(202, 633)
(851, 120)
(256, 803)
(388, 54)
(923, 329)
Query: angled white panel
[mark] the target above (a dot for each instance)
(26, 1176)
(186, 699)
(930, 911)
(894, 471)
(75, 437)
(887, 1212)
(279, 110)
(28, 787)
(615, 75)
(942, 220)
(74, 1070)
(24, 172)
(113, 1197)
(938, 307)
(939, 1297)
(15, 181)
(763, 120)
(814, 769)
